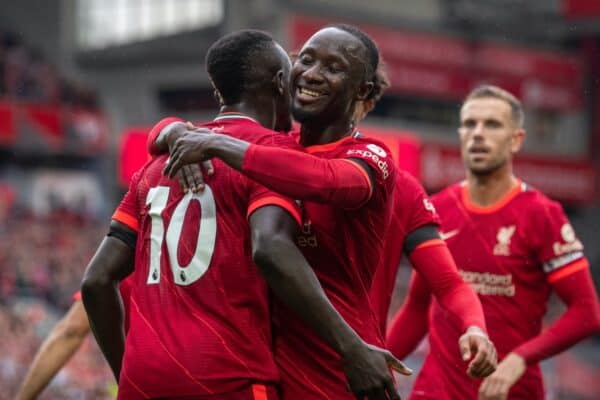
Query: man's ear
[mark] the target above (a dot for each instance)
(365, 90)
(279, 83)
(218, 98)
(517, 140)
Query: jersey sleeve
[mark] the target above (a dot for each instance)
(557, 247)
(376, 155)
(376, 162)
(155, 132)
(127, 211)
(337, 181)
(259, 196)
(412, 197)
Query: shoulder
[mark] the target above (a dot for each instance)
(447, 195)
(407, 182)
(373, 152)
(408, 189)
(538, 204)
(255, 133)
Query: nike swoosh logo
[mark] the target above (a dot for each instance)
(449, 234)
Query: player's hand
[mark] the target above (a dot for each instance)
(189, 148)
(497, 385)
(190, 177)
(367, 369)
(475, 345)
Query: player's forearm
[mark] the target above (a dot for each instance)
(296, 285)
(105, 312)
(407, 329)
(303, 176)
(157, 142)
(102, 300)
(580, 320)
(410, 324)
(573, 326)
(51, 357)
(436, 265)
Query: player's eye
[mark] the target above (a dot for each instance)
(468, 123)
(334, 68)
(305, 59)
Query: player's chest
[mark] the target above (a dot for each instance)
(488, 243)
(322, 226)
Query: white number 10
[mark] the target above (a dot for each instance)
(183, 275)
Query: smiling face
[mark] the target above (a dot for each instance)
(328, 76)
(489, 135)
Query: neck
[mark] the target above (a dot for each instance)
(314, 133)
(262, 113)
(486, 190)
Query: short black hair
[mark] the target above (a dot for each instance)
(229, 62)
(372, 63)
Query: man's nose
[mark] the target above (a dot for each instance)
(477, 130)
(313, 73)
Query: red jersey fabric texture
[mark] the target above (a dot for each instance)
(199, 313)
(412, 210)
(512, 254)
(344, 248)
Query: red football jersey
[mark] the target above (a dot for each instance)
(343, 247)
(509, 253)
(412, 210)
(199, 311)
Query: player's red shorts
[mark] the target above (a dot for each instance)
(257, 391)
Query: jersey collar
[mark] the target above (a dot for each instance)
(317, 148)
(519, 187)
(233, 115)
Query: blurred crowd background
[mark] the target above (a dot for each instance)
(82, 80)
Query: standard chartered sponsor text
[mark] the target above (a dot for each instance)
(489, 284)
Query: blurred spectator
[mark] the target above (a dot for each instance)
(26, 75)
(41, 264)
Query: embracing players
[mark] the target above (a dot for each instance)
(348, 198)
(199, 314)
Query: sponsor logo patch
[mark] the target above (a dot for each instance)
(429, 206)
(382, 164)
(377, 150)
(571, 242)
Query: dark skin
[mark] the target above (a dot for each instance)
(331, 67)
(112, 263)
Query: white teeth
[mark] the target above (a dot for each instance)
(309, 92)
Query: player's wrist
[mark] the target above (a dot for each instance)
(171, 133)
(231, 150)
(519, 355)
(349, 346)
(475, 330)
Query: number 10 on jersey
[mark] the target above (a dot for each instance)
(187, 274)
